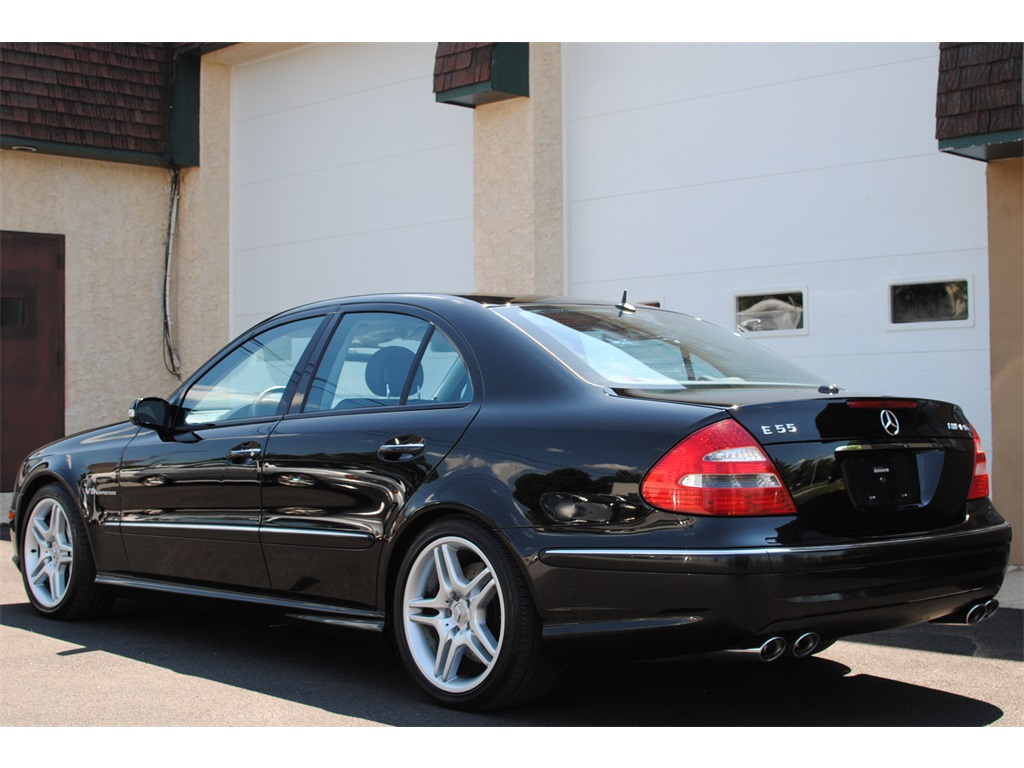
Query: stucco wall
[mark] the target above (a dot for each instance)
(114, 220)
(113, 217)
(517, 185)
(1006, 278)
(201, 266)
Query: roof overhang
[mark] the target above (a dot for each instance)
(992, 146)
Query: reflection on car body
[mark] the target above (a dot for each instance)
(505, 485)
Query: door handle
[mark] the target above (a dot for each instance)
(401, 449)
(244, 453)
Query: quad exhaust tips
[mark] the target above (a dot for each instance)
(970, 615)
(806, 644)
(981, 611)
(775, 647)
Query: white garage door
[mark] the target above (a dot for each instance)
(347, 178)
(704, 175)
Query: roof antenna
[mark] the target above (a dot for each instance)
(624, 306)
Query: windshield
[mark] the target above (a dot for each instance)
(652, 349)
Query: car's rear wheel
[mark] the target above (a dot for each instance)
(56, 560)
(464, 622)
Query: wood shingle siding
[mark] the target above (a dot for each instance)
(979, 89)
(97, 97)
(458, 65)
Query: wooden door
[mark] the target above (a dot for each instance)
(31, 346)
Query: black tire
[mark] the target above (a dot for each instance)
(473, 644)
(57, 566)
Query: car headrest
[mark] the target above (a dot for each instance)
(388, 369)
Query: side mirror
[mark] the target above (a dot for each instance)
(150, 412)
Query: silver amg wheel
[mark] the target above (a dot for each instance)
(49, 553)
(453, 614)
(464, 621)
(56, 561)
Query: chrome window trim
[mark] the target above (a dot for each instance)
(165, 526)
(184, 527)
(317, 532)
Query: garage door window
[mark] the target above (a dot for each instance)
(942, 301)
(780, 312)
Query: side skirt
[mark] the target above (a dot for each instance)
(305, 610)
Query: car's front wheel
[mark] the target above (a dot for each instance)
(464, 622)
(56, 560)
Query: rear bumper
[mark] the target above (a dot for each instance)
(696, 600)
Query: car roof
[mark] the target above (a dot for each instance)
(426, 299)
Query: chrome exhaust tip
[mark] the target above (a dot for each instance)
(772, 648)
(981, 611)
(971, 614)
(806, 644)
(977, 614)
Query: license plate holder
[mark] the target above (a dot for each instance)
(878, 481)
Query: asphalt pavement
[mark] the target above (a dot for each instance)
(157, 663)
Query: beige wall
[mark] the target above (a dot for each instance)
(113, 217)
(201, 266)
(114, 220)
(517, 185)
(1006, 280)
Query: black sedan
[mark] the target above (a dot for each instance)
(502, 485)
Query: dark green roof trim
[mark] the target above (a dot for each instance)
(510, 79)
(86, 153)
(214, 47)
(183, 145)
(473, 95)
(991, 146)
(510, 68)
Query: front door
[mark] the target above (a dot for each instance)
(191, 496)
(31, 346)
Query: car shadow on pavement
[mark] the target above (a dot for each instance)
(357, 675)
(999, 637)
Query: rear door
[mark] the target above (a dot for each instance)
(390, 398)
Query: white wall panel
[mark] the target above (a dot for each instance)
(347, 178)
(697, 172)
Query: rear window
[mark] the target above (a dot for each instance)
(652, 349)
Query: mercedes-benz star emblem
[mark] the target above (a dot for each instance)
(890, 423)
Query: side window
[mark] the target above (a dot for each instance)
(250, 380)
(380, 359)
(445, 378)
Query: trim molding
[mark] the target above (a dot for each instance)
(987, 147)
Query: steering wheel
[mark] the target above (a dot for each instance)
(265, 395)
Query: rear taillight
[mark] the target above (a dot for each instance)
(718, 470)
(979, 483)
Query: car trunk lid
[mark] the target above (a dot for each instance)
(857, 466)
(869, 465)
